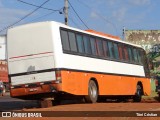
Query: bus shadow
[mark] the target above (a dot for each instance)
(82, 101)
(17, 105)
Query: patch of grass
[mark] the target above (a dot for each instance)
(153, 97)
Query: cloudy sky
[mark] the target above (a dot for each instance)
(107, 16)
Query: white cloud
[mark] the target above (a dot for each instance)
(93, 14)
(9, 15)
(140, 2)
(119, 14)
(113, 2)
(1, 4)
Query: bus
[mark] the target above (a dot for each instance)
(52, 60)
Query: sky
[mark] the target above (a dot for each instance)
(108, 16)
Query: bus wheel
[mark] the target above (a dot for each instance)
(138, 96)
(92, 92)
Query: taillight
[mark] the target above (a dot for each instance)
(11, 87)
(58, 75)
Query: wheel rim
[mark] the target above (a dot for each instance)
(139, 91)
(93, 91)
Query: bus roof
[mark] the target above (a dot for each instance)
(103, 34)
(90, 32)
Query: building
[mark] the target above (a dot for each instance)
(3, 47)
(3, 62)
(150, 41)
(146, 38)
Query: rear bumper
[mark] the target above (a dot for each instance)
(27, 91)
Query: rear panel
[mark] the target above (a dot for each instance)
(30, 53)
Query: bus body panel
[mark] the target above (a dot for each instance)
(95, 65)
(108, 84)
(35, 54)
(30, 50)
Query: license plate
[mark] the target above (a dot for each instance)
(32, 89)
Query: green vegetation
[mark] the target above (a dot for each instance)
(153, 60)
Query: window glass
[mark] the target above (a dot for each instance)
(80, 43)
(135, 55)
(93, 46)
(125, 53)
(142, 57)
(65, 41)
(139, 56)
(105, 47)
(130, 54)
(120, 51)
(87, 44)
(100, 47)
(116, 53)
(72, 41)
(110, 46)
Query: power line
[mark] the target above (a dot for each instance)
(45, 15)
(25, 16)
(78, 15)
(36, 5)
(102, 17)
(74, 22)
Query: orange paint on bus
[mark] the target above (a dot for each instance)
(103, 34)
(77, 83)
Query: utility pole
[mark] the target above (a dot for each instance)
(124, 34)
(66, 12)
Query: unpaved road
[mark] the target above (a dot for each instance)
(11, 104)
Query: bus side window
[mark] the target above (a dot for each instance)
(105, 47)
(93, 46)
(139, 57)
(87, 44)
(130, 54)
(72, 41)
(142, 57)
(80, 43)
(100, 47)
(126, 58)
(135, 55)
(120, 51)
(110, 46)
(65, 41)
(116, 53)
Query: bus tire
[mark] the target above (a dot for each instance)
(138, 96)
(92, 92)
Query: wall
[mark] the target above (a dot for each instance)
(145, 38)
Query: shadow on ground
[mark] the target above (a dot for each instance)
(17, 105)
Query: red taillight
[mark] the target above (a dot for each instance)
(11, 87)
(58, 75)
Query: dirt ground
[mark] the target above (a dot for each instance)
(149, 104)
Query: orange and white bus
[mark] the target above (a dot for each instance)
(49, 59)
